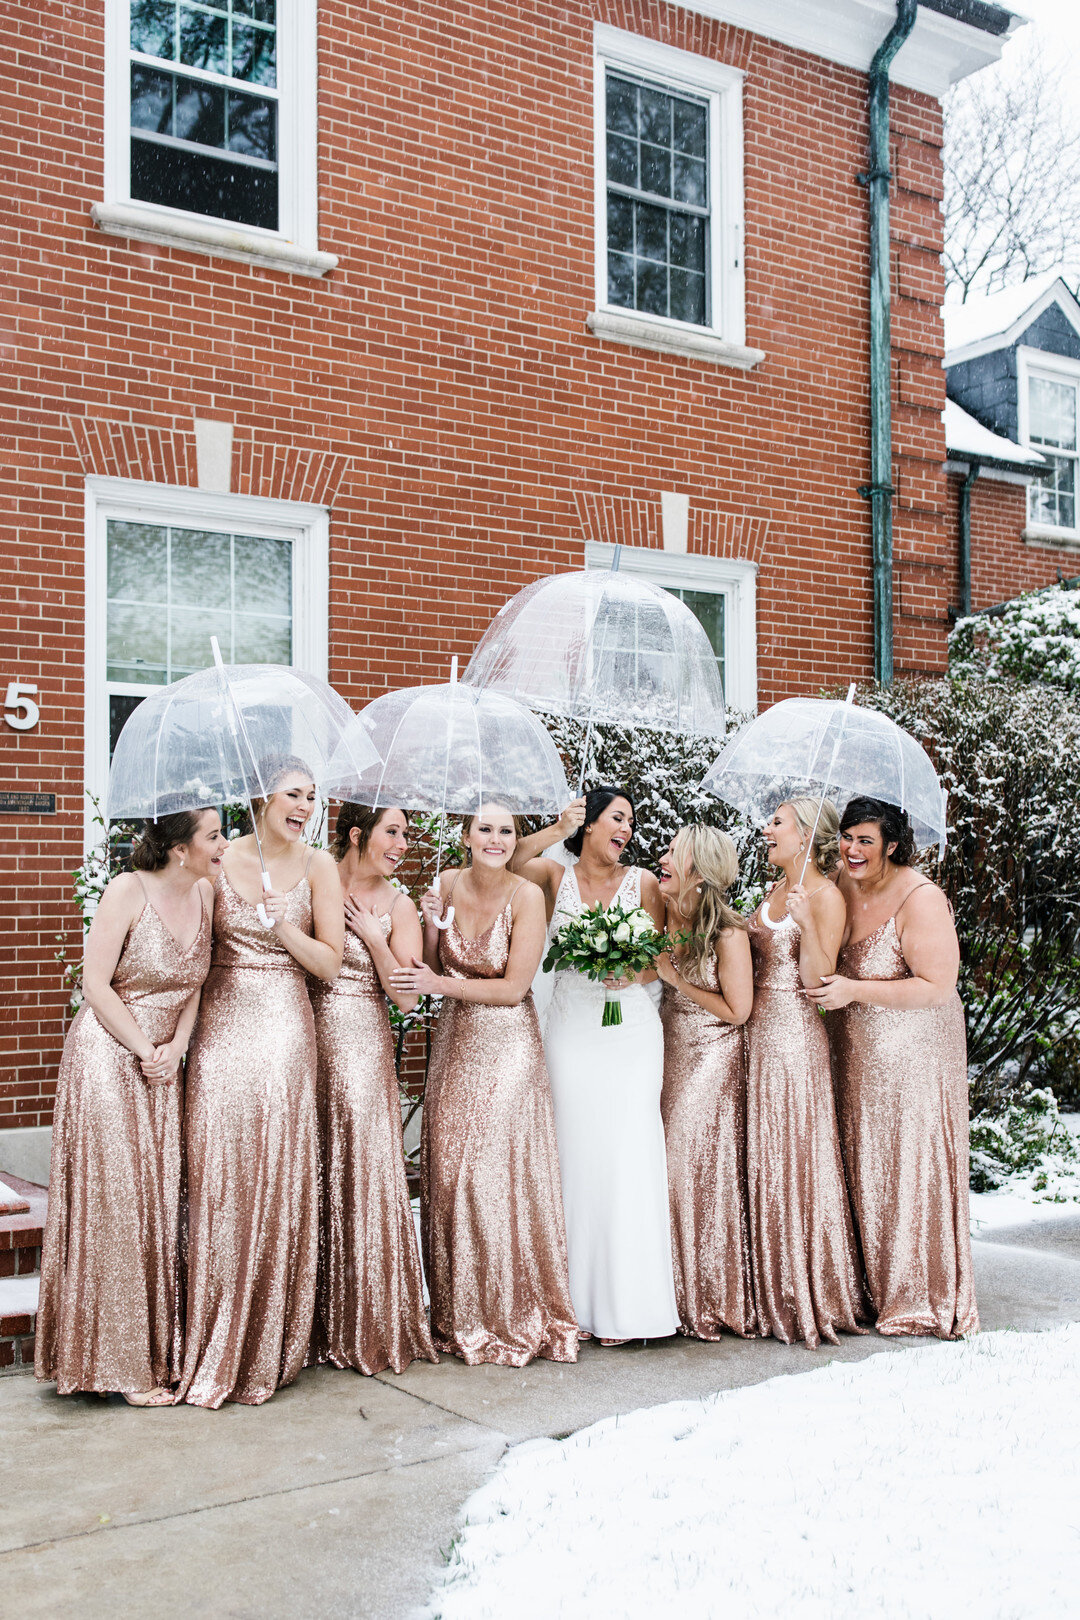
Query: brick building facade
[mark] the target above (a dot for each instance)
(371, 382)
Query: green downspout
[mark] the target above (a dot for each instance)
(965, 538)
(879, 491)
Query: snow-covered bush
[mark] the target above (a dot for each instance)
(1008, 753)
(1025, 1139)
(1035, 637)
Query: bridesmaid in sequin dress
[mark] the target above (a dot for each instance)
(807, 1279)
(371, 1299)
(708, 994)
(900, 1051)
(251, 1127)
(109, 1309)
(493, 1233)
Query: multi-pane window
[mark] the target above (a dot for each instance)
(1052, 428)
(204, 108)
(709, 608)
(658, 247)
(170, 589)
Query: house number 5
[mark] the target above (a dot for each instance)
(20, 710)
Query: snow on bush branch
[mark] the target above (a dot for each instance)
(1036, 637)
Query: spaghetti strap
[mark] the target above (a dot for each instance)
(925, 884)
(307, 868)
(142, 886)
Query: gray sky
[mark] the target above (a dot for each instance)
(1057, 23)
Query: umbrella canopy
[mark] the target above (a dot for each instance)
(445, 749)
(606, 649)
(832, 748)
(223, 733)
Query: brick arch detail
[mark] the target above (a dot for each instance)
(675, 25)
(631, 520)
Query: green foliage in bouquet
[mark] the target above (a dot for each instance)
(615, 942)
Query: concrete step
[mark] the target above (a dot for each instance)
(21, 1234)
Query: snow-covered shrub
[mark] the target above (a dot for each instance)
(1036, 637)
(1027, 1139)
(1008, 753)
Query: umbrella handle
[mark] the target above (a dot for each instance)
(263, 915)
(442, 922)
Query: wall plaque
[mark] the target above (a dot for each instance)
(26, 804)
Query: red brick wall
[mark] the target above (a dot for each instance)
(440, 389)
(1002, 565)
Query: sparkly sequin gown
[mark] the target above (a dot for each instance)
(902, 1100)
(370, 1312)
(251, 1139)
(110, 1298)
(704, 1111)
(492, 1226)
(606, 1085)
(807, 1278)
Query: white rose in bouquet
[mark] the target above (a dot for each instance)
(622, 933)
(600, 941)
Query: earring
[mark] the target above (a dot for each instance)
(181, 860)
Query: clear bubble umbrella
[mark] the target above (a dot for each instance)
(445, 749)
(225, 733)
(836, 750)
(603, 648)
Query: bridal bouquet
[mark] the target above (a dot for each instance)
(604, 944)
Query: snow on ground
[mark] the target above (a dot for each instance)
(1048, 1194)
(943, 1480)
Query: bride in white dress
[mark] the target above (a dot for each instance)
(606, 1086)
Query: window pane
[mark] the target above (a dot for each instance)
(153, 28)
(688, 242)
(1053, 500)
(201, 570)
(1053, 413)
(622, 160)
(708, 608)
(204, 185)
(655, 117)
(254, 54)
(203, 40)
(136, 643)
(121, 706)
(261, 10)
(136, 562)
(151, 100)
(622, 99)
(689, 181)
(690, 128)
(191, 632)
(687, 297)
(620, 224)
(252, 126)
(200, 112)
(620, 280)
(652, 287)
(262, 640)
(652, 232)
(656, 170)
(263, 576)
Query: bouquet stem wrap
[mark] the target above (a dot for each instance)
(612, 1008)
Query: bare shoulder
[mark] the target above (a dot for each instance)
(650, 884)
(400, 903)
(527, 898)
(448, 875)
(828, 901)
(924, 903)
(122, 895)
(206, 893)
(323, 869)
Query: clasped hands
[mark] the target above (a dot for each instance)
(163, 1065)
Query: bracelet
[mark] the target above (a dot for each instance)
(464, 988)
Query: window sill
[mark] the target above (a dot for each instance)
(218, 240)
(1067, 539)
(668, 337)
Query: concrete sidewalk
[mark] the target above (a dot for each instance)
(338, 1499)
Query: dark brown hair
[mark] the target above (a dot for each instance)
(891, 821)
(151, 852)
(597, 800)
(349, 816)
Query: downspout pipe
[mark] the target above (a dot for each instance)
(879, 492)
(974, 468)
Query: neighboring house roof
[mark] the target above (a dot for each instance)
(968, 440)
(998, 320)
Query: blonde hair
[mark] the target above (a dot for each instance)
(711, 857)
(822, 814)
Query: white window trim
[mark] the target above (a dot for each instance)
(294, 246)
(1056, 367)
(724, 341)
(306, 525)
(732, 578)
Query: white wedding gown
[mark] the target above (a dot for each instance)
(606, 1087)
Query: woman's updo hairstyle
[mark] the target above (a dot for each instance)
(151, 851)
(596, 802)
(275, 773)
(355, 815)
(807, 811)
(708, 859)
(893, 823)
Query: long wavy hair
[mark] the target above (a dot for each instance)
(707, 862)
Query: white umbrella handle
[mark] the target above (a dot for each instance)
(264, 916)
(442, 922)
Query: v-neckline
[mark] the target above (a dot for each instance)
(587, 903)
(254, 904)
(182, 950)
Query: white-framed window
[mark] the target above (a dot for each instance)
(1048, 399)
(720, 592)
(669, 198)
(211, 127)
(168, 568)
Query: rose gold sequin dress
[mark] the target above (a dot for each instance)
(109, 1310)
(807, 1278)
(704, 1110)
(493, 1233)
(902, 1099)
(370, 1312)
(251, 1138)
